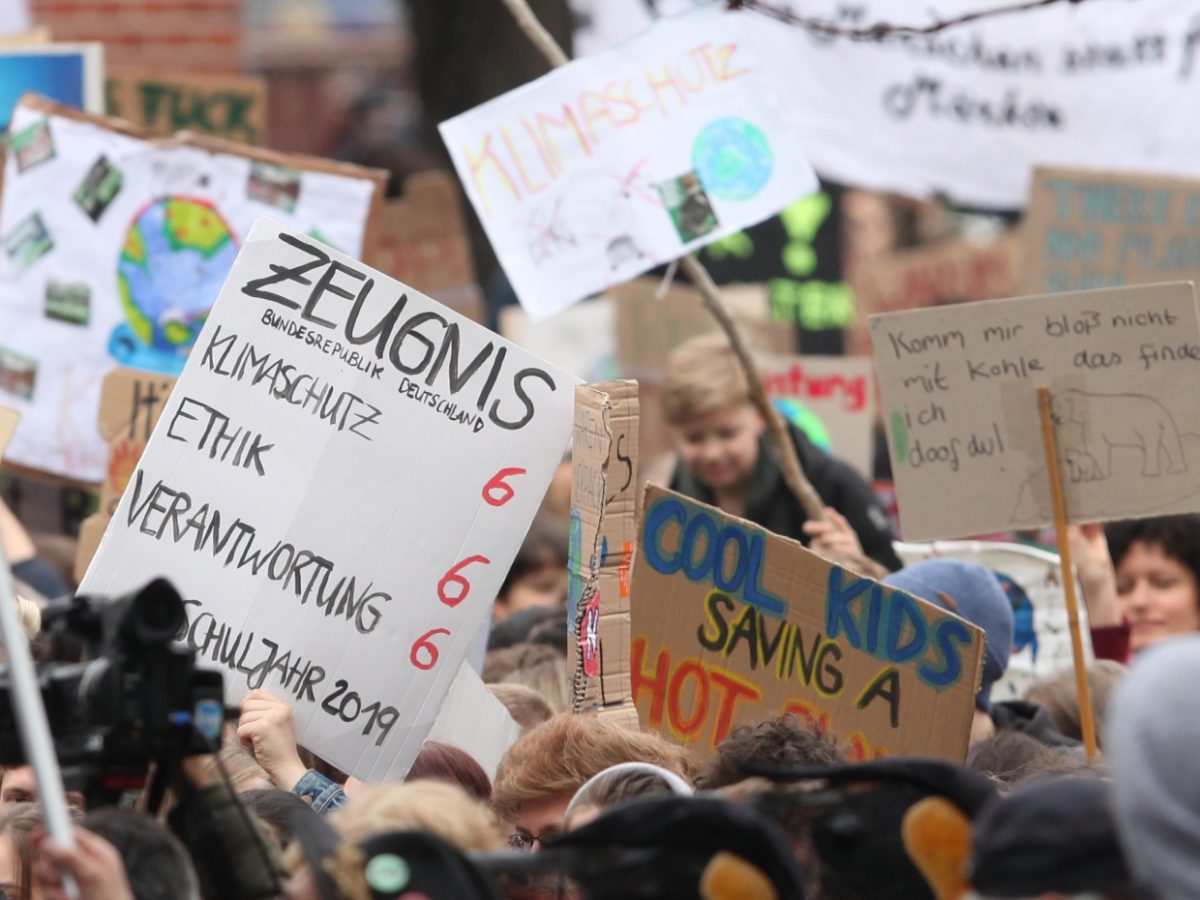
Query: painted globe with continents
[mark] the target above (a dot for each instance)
(732, 158)
(173, 262)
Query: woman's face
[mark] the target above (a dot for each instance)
(1158, 595)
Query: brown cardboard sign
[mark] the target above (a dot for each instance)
(603, 532)
(959, 384)
(1087, 229)
(422, 241)
(131, 401)
(951, 272)
(733, 624)
(164, 101)
(8, 424)
(831, 399)
(649, 327)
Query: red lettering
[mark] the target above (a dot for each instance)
(688, 726)
(733, 689)
(656, 683)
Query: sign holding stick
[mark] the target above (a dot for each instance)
(957, 384)
(733, 625)
(337, 485)
(603, 531)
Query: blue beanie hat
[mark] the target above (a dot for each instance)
(978, 597)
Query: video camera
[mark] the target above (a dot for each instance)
(120, 693)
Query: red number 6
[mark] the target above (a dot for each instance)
(452, 577)
(425, 642)
(499, 486)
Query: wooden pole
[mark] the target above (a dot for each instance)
(789, 460)
(1087, 722)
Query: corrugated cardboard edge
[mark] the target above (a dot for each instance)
(9, 418)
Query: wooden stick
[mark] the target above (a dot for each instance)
(1087, 722)
(789, 459)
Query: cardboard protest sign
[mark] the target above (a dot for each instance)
(1033, 580)
(967, 112)
(338, 484)
(831, 399)
(164, 101)
(114, 250)
(1104, 229)
(422, 241)
(651, 323)
(950, 272)
(72, 74)
(613, 164)
(733, 624)
(8, 424)
(958, 386)
(131, 401)
(603, 532)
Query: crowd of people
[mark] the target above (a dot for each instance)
(585, 806)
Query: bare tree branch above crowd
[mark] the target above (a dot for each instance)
(881, 30)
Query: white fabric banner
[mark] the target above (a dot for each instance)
(337, 486)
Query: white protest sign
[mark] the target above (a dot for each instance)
(1032, 581)
(475, 721)
(337, 486)
(613, 164)
(968, 111)
(959, 385)
(114, 249)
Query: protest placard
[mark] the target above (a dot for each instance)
(72, 74)
(8, 424)
(831, 399)
(114, 250)
(581, 339)
(733, 624)
(422, 241)
(1033, 580)
(164, 101)
(603, 531)
(338, 484)
(1104, 229)
(613, 164)
(950, 272)
(651, 322)
(475, 721)
(131, 401)
(967, 112)
(958, 387)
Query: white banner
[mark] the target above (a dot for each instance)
(629, 158)
(337, 486)
(114, 249)
(970, 110)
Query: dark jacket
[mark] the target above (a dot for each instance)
(1031, 719)
(771, 504)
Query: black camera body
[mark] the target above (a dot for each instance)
(120, 692)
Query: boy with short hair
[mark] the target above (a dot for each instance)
(725, 460)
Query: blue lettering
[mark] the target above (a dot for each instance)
(740, 552)
(903, 608)
(657, 517)
(948, 657)
(755, 594)
(838, 618)
(700, 569)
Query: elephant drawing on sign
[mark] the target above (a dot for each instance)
(1091, 426)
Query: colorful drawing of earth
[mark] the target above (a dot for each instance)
(176, 255)
(732, 158)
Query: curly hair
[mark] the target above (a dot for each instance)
(557, 757)
(1177, 536)
(778, 743)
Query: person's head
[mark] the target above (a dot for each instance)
(541, 772)
(548, 678)
(779, 743)
(18, 822)
(1059, 696)
(276, 811)
(538, 575)
(621, 784)
(424, 805)
(503, 661)
(157, 865)
(713, 425)
(974, 593)
(1153, 729)
(1158, 575)
(18, 784)
(527, 707)
(445, 762)
(1008, 757)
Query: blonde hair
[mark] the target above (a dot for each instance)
(1060, 698)
(527, 707)
(426, 804)
(548, 679)
(703, 375)
(558, 757)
